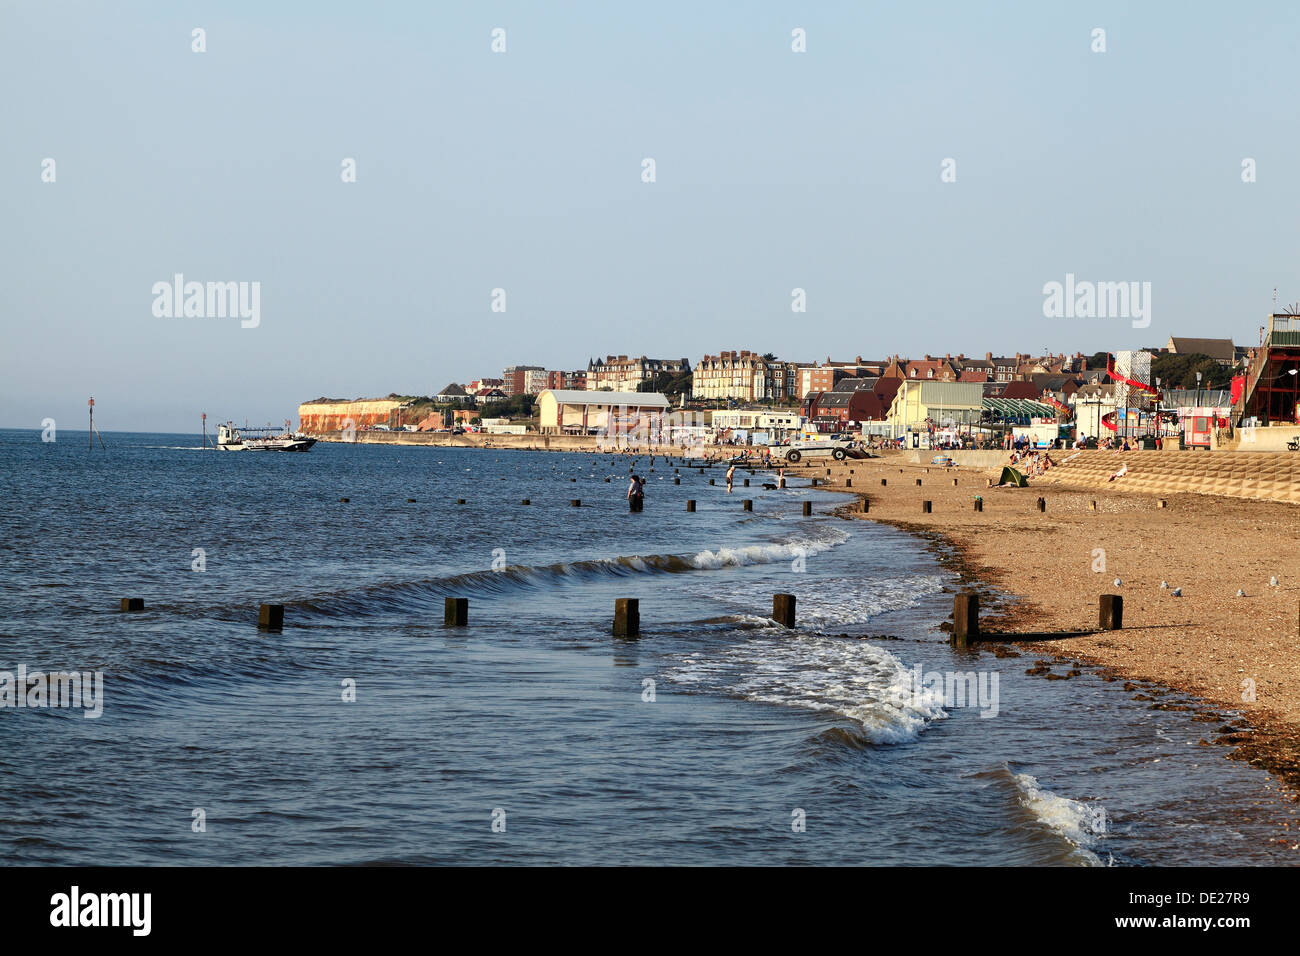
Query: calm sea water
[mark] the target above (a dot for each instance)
(759, 745)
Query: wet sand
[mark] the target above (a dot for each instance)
(1051, 567)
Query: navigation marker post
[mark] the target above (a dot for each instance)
(94, 432)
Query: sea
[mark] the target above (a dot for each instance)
(366, 732)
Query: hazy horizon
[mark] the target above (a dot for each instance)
(774, 170)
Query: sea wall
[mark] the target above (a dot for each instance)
(320, 417)
(966, 458)
(528, 441)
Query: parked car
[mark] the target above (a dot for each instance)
(814, 448)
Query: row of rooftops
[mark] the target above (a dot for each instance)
(1046, 373)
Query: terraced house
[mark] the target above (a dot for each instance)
(622, 374)
(745, 376)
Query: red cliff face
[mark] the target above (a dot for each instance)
(320, 417)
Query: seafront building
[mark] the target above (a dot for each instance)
(523, 380)
(619, 373)
(745, 376)
(564, 412)
(918, 405)
(769, 424)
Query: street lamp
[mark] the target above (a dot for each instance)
(1198, 389)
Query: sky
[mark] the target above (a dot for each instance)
(522, 170)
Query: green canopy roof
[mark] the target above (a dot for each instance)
(1018, 408)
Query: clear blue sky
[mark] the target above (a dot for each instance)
(523, 171)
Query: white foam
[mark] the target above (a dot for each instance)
(1079, 823)
(768, 553)
(849, 677)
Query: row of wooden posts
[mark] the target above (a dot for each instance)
(271, 616)
(627, 613)
(966, 616)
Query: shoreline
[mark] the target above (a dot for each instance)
(1035, 575)
(1023, 597)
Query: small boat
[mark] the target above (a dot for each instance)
(230, 438)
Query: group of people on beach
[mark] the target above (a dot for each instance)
(1031, 461)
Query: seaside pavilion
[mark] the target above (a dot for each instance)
(572, 412)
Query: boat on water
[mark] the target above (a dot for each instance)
(231, 438)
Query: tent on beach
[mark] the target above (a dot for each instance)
(1012, 477)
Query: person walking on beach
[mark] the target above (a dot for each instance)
(730, 474)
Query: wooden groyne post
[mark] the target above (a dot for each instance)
(455, 612)
(1111, 616)
(965, 618)
(783, 609)
(627, 617)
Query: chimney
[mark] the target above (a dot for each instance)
(988, 356)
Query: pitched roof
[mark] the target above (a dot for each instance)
(855, 384)
(833, 399)
(453, 389)
(567, 396)
(1215, 348)
(1027, 390)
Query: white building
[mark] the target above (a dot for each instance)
(636, 415)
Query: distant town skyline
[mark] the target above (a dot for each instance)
(374, 201)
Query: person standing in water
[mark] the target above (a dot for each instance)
(636, 494)
(731, 471)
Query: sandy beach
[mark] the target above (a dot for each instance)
(1049, 569)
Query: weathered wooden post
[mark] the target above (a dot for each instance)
(690, 504)
(783, 609)
(455, 612)
(884, 482)
(270, 617)
(749, 504)
(627, 617)
(132, 604)
(807, 508)
(965, 617)
(918, 482)
(927, 506)
(526, 501)
(1111, 617)
(1041, 504)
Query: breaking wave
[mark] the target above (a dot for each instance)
(845, 676)
(1078, 823)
